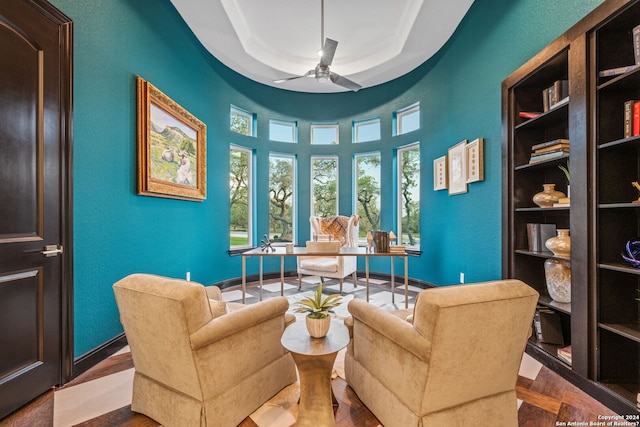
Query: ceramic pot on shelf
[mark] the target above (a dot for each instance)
(557, 274)
(318, 328)
(560, 245)
(548, 196)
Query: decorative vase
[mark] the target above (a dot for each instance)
(557, 273)
(318, 328)
(560, 245)
(548, 196)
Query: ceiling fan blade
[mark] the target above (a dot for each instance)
(328, 50)
(307, 74)
(344, 82)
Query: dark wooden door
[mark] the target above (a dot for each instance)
(35, 201)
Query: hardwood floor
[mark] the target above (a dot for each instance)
(547, 400)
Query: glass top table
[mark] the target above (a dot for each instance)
(361, 251)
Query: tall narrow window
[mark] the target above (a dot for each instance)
(283, 130)
(281, 197)
(409, 196)
(324, 186)
(367, 172)
(240, 175)
(326, 134)
(366, 130)
(407, 119)
(241, 121)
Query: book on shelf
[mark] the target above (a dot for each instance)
(538, 234)
(550, 143)
(548, 326)
(636, 43)
(546, 156)
(628, 118)
(559, 92)
(564, 353)
(635, 131)
(552, 149)
(528, 114)
(562, 202)
(397, 249)
(617, 71)
(555, 95)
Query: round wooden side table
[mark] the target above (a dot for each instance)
(314, 358)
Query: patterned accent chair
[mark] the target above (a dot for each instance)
(183, 344)
(343, 229)
(456, 365)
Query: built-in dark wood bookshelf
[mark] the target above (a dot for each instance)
(602, 321)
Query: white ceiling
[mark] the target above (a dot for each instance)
(378, 40)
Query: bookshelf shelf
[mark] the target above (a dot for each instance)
(602, 321)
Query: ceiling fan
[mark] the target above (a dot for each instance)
(322, 73)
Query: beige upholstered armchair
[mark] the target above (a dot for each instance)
(193, 368)
(338, 228)
(455, 365)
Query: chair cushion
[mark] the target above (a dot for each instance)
(329, 265)
(218, 308)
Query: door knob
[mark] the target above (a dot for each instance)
(52, 250)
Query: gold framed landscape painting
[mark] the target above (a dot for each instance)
(171, 147)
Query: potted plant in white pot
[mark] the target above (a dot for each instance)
(318, 310)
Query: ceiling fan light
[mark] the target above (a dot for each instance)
(320, 52)
(322, 79)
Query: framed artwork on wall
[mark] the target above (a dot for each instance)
(457, 168)
(171, 147)
(475, 161)
(440, 173)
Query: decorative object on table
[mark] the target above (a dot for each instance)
(171, 147)
(457, 168)
(631, 252)
(397, 249)
(538, 234)
(392, 237)
(548, 196)
(440, 179)
(475, 160)
(381, 241)
(369, 241)
(557, 273)
(637, 186)
(560, 245)
(289, 248)
(265, 244)
(318, 309)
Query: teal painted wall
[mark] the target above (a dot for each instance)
(118, 232)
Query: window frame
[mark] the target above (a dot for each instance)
(312, 198)
(294, 192)
(364, 122)
(283, 122)
(399, 201)
(250, 190)
(361, 238)
(399, 115)
(250, 116)
(313, 126)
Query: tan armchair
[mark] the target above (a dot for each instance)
(456, 365)
(343, 229)
(193, 368)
